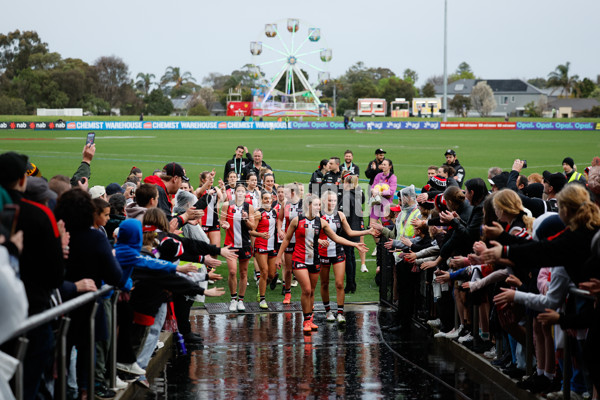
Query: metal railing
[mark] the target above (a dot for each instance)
(60, 312)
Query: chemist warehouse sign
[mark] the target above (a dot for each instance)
(383, 125)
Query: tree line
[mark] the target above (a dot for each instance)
(31, 77)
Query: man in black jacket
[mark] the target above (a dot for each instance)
(255, 165)
(41, 265)
(373, 168)
(452, 161)
(238, 163)
(333, 177)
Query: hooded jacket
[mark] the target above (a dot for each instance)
(133, 210)
(128, 248)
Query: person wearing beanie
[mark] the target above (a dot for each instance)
(570, 173)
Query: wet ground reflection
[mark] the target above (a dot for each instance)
(259, 356)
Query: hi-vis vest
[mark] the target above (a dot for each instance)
(575, 177)
(406, 229)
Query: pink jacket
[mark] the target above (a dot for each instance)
(389, 180)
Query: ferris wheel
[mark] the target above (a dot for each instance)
(293, 51)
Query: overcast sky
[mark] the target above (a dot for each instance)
(499, 39)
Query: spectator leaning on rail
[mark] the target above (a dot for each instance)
(41, 264)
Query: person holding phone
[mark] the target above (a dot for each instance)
(82, 175)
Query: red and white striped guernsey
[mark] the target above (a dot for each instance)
(253, 198)
(211, 216)
(277, 208)
(291, 211)
(229, 194)
(307, 241)
(237, 234)
(333, 249)
(267, 223)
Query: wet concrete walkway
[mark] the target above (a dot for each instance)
(260, 356)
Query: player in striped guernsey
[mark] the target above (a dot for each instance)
(305, 259)
(237, 218)
(278, 205)
(265, 244)
(291, 209)
(208, 200)
(333, 254)
(252, 192)
(228, 188)
(253, 198)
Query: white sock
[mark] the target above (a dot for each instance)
(549, 375)
(540, 372)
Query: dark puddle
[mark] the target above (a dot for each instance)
(261, 356)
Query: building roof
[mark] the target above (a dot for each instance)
(461, 86)
(182, 102)
(512, 86)
(577, 105)
(217, 107)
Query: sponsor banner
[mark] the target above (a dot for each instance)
(316, 125)
(477, 125)
(172, 125)
(557, 126)
(308, 125)
(33, 125)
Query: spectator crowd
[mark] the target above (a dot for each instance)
(514, 250)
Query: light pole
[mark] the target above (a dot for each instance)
(445, 118)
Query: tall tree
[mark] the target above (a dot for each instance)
(173, 76)
(584, 88)
(428, 90)
(559, 78)
(462, 72)
(144, 82)
(410, 75)
(23, 50)
(394, 87)
(112, 73)
(482, 99)
(460, 105)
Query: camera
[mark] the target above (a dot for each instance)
(524, 163)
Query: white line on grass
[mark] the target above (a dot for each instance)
(106, 137)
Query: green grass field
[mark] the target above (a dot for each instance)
(294, 155)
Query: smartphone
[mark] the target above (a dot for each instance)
(524, 163)
(90, 138)
(9, 217)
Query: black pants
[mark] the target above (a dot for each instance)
(407, 284)
(125, 352)
(182, 313)
(350, 268)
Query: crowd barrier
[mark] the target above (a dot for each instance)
(297, 125)
(60, 313)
